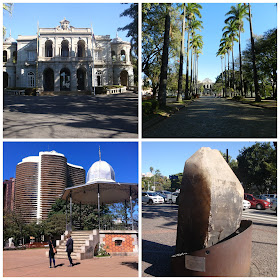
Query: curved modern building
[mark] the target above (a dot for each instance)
(40, 180)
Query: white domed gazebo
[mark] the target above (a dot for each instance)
(101, 188)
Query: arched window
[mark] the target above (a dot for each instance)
(64, 48)
(15, 57)
(81, 48)
(5, 56)
(122, 55)
(31, 79)
(48, 48)
(113, 54)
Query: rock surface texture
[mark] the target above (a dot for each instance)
(210, 203)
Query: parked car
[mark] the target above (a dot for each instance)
(162, 195)
(172, 197)
(255, 202)
(274, 205)
(246, 204)
(151, 198)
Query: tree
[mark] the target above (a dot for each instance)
(237, 14)
(132, 31)
(9, 8)
(164, 61)
(256, 83)
(231, 30)
(182, 49)
(257, 167)
(192, 10)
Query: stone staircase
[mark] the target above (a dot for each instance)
(84, 244)
(65, 93)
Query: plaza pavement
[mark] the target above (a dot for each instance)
(209, 117)
(34, 263)
(100, 116)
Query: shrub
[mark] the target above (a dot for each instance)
(149, 106)
(30, 91)
(237, 98)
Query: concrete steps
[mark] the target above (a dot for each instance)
(67, 93)
(84, 243)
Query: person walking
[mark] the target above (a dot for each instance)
(52, 252)
(69, 249)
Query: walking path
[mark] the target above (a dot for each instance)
(100, 116)
(209, 117)
(34, 263)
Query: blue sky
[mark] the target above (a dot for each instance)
(170, 157)
(264, 17)
(104, 17)
(123, 157)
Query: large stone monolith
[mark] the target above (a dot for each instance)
(210, 202)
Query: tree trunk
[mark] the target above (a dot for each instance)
(164, 62)
(256, 83)
(191, 88)
(222, 75)
(240, 65)
(180, 80)
(225, 95)
(187, 70)
(233, 78)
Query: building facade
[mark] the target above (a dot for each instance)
(66, 58)
(40, 180)
(9, 195)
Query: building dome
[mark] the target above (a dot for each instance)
(10, 40)
(101, 171)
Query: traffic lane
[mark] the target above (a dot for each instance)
(159, 227)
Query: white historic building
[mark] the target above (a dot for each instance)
(66, 58)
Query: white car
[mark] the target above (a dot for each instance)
(246, 204)
(151, 198)
(172, 197)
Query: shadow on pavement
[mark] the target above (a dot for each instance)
(159, 256)
(133, 265)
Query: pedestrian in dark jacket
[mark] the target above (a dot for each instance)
(51, 251)
(69, 248)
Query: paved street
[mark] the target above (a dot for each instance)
(159, 225)
(209, 117)
(102, 116)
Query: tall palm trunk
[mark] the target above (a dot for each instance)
(191, 88)
(225, 75)
(164, 62)
(240, 63)
(222, 75)
(228, 72)
(197, 73)
(233, 78)
(180, 80)
(187, 70)
(257, 95)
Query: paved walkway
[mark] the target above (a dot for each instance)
(34, 263)
(209, 117)
(102, 116)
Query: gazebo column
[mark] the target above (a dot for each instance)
(98, 205)
(66, 212)
(131, 210)
(70, 228)
(125, 213)
(80, 215)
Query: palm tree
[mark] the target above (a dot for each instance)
(222, 52)
(257, 95)
(231, 30)
(9, 8)
(195, 25)
(237, 14)
(164, 62)
(196, 45)
(192, 10)
(180, 79)
(198, 52)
